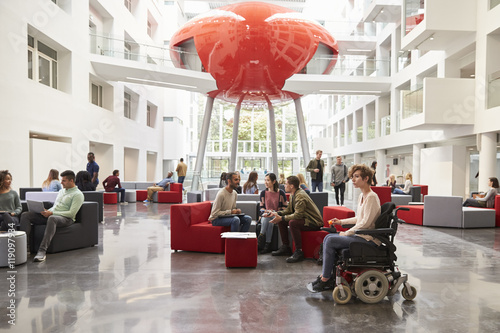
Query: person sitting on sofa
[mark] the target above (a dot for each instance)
(110, 184)
(303, 184)
(162, 185)
(272, 199)
(10, 205)
(224, 211)
(489, 199)
(52, 184)
(84, 181)
(61, 214)
(392, 182)
(250, 186)
(408, 185)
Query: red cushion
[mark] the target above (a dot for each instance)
(414, 215)
(176, 187)
(110, 197)
(311, 241)
(169, 197)
(383, 192)
(241, 252)
(141, 195)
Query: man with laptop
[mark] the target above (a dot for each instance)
(62, 214)
(224, 211)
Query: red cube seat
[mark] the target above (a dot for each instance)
(172, 196)
(339, 212)
(383, 192)
(241, 252)
(110, 197)
(141, 195)
(415, 214)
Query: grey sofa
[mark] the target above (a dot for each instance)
(82, 233)
(93, 196)
(320, 199)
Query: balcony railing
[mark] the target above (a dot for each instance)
(246, 146)
(359, 134)
(370, 131)
(413, 101)
(350, 65)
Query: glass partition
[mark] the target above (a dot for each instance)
(414, 14)
(413, 101)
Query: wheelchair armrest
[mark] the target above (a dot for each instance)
(346, 226)
(380, 231)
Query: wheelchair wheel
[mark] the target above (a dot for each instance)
(371, 286)
(337, 296)
(406, 295)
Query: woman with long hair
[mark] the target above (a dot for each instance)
(272, 199)
(250, 187)
(10, 205)
(303, 184)
(408, 185)
(52, 184)
(392, 182)
(83, 181)
(282, 179)
(374, 168)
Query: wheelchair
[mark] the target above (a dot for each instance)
(368, 272)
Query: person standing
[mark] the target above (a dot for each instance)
(62, 214)
(181, 172)
(93, 168)
(340, 176)
(302, 214)
(110, 184)
(224, 207)
(316, 168)
(374, 178)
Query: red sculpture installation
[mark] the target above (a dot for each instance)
(251, 48)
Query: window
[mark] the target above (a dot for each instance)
(96, 94)
(42, 63)
(127, 51)
(128, 5)
(148, 116)
(127, 106)
(150, 30)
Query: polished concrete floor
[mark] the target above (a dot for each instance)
(133, 282)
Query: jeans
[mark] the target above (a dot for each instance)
(267, 228)
(474, 203)
(234, 222)
(53, 222)
(398, 191)
(122, 193)
(333, 243)
(181, 179)
(317, 184)
(6, 219)
(296, 226)
(339, 188)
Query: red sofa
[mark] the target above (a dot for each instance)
(383, 192)
(190, 229)
(172, 196)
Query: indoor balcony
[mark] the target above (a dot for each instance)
(383, 11)
(433, 25)
(440, 102)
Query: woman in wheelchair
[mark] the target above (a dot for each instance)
(368, 212)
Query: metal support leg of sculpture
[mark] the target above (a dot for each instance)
(200, 156)
(302, 131)
(234, 144)
(274, 146)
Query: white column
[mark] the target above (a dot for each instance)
(380, 157)
(302, 131)
(487, 158)
(234, 143)
(274, 146)
(417, 148)
(200, 156)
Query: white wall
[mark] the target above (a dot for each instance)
(46, 155)
(443, 169)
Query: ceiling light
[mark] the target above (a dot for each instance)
(431, 38)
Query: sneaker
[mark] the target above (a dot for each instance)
(124, 203)
(297, 256)
(266, 249)
(284, 250)
(40, 257)
(146, 201)
(319, 286)
(261, 241)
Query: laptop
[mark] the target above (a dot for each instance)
(35, 206)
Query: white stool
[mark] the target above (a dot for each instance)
(15, 246)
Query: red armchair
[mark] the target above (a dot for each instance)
(172, 196)
(383, 192)
(190, 229)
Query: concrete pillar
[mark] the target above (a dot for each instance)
(200, 156)
(274, 145)
(417, 148)
(302, 131)
(234, 143)
(487, 158)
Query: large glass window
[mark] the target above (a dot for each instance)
(42, 63)
(127, 105)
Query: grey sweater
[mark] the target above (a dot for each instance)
(9, 202)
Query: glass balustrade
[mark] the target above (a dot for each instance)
(412, 102)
